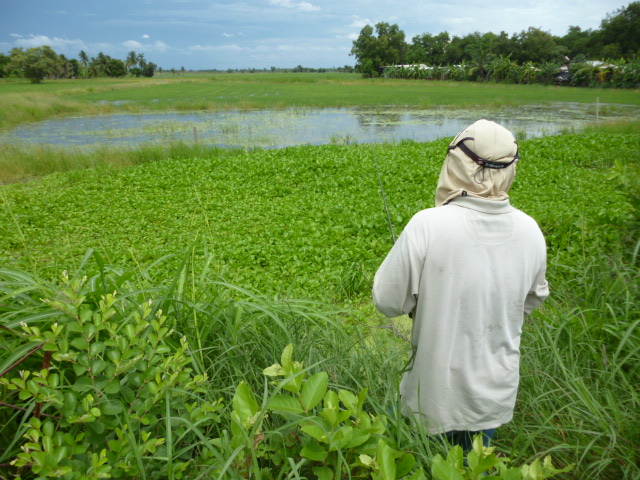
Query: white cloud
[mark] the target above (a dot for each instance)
(145, 36)
(215, 48)
(157, 46)
(56, 43)
(16, 35)
(227, 35)
(303, 6)
(132, 44)
(360, 22)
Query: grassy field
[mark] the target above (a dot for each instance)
(23, 102)
(221, 259)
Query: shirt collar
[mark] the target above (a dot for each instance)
(483, 205)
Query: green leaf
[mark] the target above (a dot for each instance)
(274, 370)
(366, 460)
(358, 437)
(282, 402)
(153, 387)
(70, 402)
(362, 396)
(245, 404)
(96, 348)
(404, 464)
(286, 360)
(314, 451)
(314, 390)
(112, 407)
(323, 473)
(80, 343)
(386, 461)
(112, 387)
(444, 469)
(97, 366)
(316, 432)
(349, 400)
(456, 456)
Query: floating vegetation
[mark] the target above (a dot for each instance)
(299, 126)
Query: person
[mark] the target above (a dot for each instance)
(467, 271)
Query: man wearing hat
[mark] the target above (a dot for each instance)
(467, 271)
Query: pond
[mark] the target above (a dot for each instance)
(281, 128)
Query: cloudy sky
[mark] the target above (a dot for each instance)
(202, 34)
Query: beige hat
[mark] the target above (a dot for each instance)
(481, 162)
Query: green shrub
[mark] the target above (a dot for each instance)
(111, 394)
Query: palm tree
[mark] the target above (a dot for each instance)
(132, 60)
(63, 67)
(84, 58)
(141, 61)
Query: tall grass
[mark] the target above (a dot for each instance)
(579, 393)
(20, 162)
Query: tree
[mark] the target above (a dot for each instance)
(538, 46)
(99, 65)
(577, 41)
(84, 59)
(63, 67)
(115, 68)
(621, 31)
(75, 68)
(149, 69)
(478, 52)
(35, 64)
(429, 49)
(4, 61)
(454, 52)
(131, 61)
(386, 47)
(141, 60)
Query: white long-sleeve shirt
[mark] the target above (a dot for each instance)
(469, 271)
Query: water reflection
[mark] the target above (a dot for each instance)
(279, 128)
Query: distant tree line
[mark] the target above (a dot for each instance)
(296, 69)
(38, 63)
(487, 56)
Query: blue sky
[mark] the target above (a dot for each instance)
(263, 33)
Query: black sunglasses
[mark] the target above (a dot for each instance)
(481, 161)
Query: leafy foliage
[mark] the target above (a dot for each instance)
(481, 462)
(533, 50)
(113, 395)
(579, 394)
(287, 213)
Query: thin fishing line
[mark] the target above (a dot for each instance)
(384, 196)
(390, 325)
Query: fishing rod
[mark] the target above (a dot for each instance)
(390, 325)
(384, 195)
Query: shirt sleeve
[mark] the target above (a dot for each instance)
(395, 286)
(540, 289)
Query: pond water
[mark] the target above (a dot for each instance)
(281, 128)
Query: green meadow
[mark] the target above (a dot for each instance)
(24, 102)
(204, 313)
